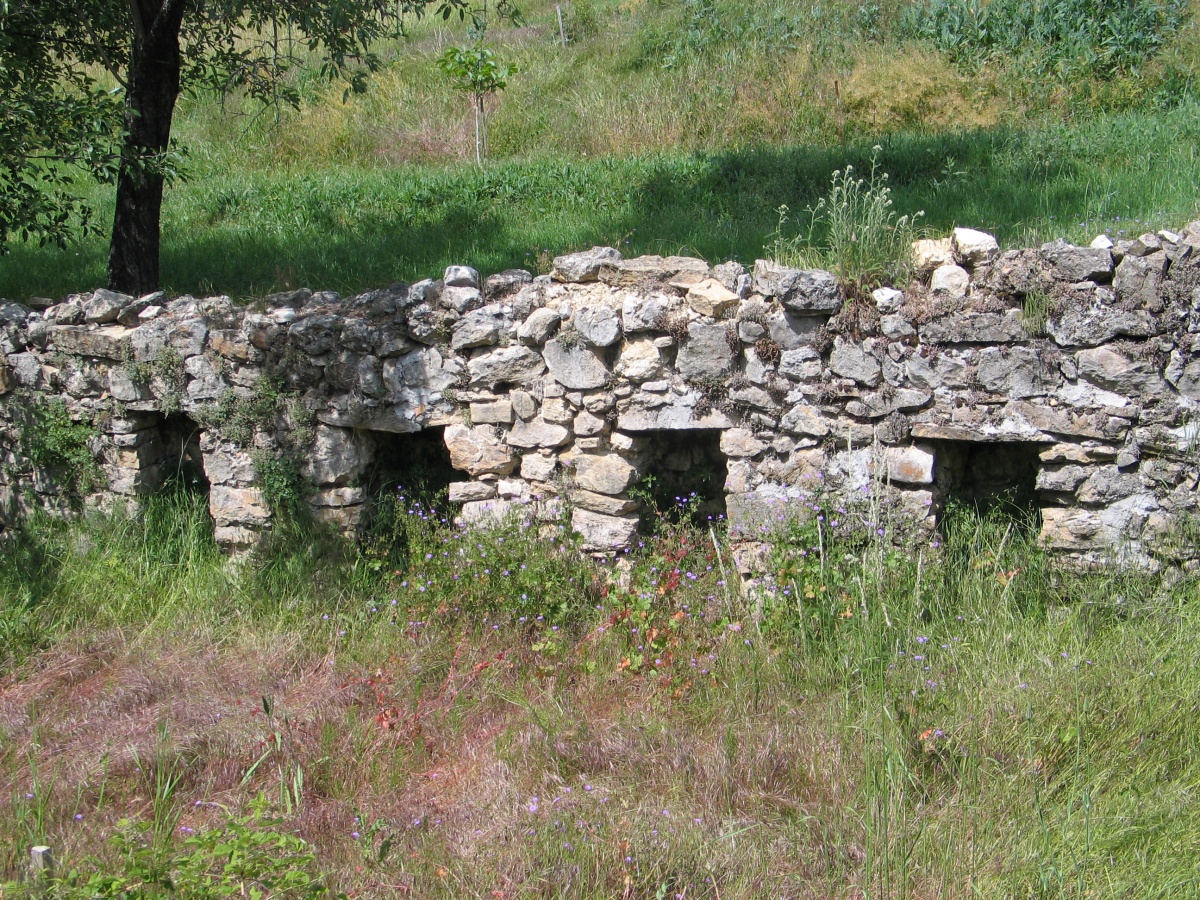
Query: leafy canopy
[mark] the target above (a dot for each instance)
(65, 70)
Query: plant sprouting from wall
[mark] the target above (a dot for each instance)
(861, 237)
(53, 441)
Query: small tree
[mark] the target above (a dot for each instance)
(475, 72)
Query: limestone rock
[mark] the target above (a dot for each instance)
(587, 424)
(1061, 479)
(336, 456)
(1138, 281)
(599, 325)
(1108, 484)
(601, 503)
(536, 467)
(1070, 263)
(502, 284)
(579, 268)
(741, 442)
(604, 474)
(460, 277)
(492, 412)
(643, 313)
(237, 506)
(640, 360)
(575, 367)
(878, 404)
(601, 532)
(975, 328)
(1110, 369)
(540, 325)
(523, 404)
(650, 269)
(537, 432)
(1016, 372)
(506, 365)
(791, 331)
(705, 354)
(461, 299)
(106, 342)
(803, 291)
(887, 300)
(711, 298)
(930, 253)
(850, 361)
(973, 248)
(480, 328)
(950, 282)
(908, 465)
(315, 335)
(1097, 321)
(104, 306)
(805, 420)
(670, 412)
(468, 491)
(801, 364)
(478, 450)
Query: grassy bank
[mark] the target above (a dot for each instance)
(350, 228)
(668, 127)
(485, 714)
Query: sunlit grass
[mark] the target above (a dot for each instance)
(962, 719)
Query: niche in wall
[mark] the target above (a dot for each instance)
(995, 479)
(683, 473)
(180, 464)
(410, 475)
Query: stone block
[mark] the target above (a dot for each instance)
(478, 450)
(802, 291)
(579, 268)
(603, 532)
(604, 474)
(705, 354)
(575, 367)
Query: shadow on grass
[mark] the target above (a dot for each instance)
(248, 233)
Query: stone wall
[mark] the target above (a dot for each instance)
(1067, 376)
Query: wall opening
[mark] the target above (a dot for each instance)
(407, 487)
(181, 464)
(683, 479)
(996, 480)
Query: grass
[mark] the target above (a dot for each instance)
(471, 714)
(345, 228)
(661, 127)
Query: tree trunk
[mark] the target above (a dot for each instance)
(153, 87)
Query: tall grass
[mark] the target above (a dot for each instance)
(963, 718)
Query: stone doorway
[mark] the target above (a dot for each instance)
(181, 463)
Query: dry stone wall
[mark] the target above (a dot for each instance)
(1065, 377)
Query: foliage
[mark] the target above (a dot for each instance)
(864, 240)
(284, 488)
(50, 50)
(1060, 36)
(247, 856)
(475, 72)
(53, 441)
(165, 375)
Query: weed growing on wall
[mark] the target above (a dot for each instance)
(853, 231)
(56, 443)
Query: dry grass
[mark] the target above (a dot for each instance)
(453, 773)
